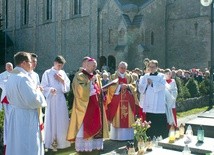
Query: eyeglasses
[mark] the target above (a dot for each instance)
(28, 61)
(152, 66)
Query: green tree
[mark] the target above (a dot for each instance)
(193, 88)
(1, 130)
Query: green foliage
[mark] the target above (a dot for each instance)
(70, 98)
(179, 84)
(1, 130)
(184, 94)
(192, 86)
(140, 129)
(183, 91)
(204, 87)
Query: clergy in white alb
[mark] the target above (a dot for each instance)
(152, 87)
(55, 83)
(36, 81)
(24, 136)
(173, 91)
(3, 79)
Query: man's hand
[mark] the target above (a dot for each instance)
(59, 78)
(149, 81)
(124, 86)
(105, 90)
(40, 88)
(53, 91)
(94, 79)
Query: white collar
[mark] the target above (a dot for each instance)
(21, 69)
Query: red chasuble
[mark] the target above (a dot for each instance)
(121, 101)
(92, 119)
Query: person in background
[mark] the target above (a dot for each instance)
(24, 136)
(55, 83)
(105, 78)
(3, 79)
(139, 111)
(173, 90)
(88, 123)
(141, 96)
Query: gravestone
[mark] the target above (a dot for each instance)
(195, 147)
(206, 122)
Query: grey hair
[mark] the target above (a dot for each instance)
(9, 64)
(123, 63)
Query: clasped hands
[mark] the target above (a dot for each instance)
(149, 81)
(59, 78)
(124, 86)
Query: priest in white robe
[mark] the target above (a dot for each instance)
(3, 80)
(55, 83)
(36, 81)
(24, 136)
(152, 87)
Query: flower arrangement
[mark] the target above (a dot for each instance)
(140, 129)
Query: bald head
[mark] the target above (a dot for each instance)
(84, 61)
(91, 65)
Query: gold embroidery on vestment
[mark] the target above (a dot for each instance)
(124, 109)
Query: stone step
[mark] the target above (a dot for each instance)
(207, 124)
(194, 146)
(207, 114)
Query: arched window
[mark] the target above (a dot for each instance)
(196, 28)
(111, 64)
(77, 7)
(102, 62)
(152, 38)
(25, 12)
(6, 13)
(48, 9)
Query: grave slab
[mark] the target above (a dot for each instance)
(195, 147)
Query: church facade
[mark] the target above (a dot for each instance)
(176, 33)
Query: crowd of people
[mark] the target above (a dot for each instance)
(103, 106)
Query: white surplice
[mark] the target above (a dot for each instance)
(56, 113)
(169, 101)
(24, 136)
(36, 81)
(35, 78)
(172, 87)
(153, 95)
(171, 95)
(3, 79)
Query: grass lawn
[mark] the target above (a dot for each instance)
(192, 112)
(66, 151)
(70, 151)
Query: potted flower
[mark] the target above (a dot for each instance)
(140, 128)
